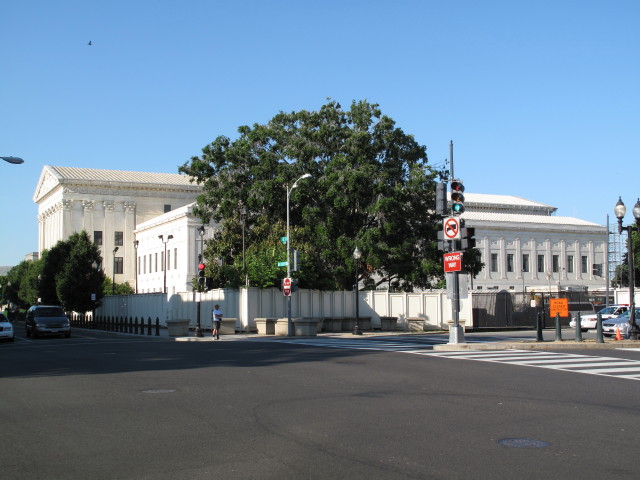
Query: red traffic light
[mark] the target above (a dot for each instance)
(201, 266)
(457, 186)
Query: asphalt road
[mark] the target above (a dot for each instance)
(103, 406)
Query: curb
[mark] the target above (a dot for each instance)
(538, 345)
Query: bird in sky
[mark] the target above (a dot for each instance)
(89, 43)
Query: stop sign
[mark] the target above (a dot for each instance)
(286, 286)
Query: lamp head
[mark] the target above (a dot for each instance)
(169, 237)
(115, 250)
(161, 237)
(636, 210)
(620, 210)
(357, 253)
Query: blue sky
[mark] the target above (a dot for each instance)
(541, 99)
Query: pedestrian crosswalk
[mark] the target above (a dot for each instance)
(587, 364)
(592, 365)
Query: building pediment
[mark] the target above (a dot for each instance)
(48, 181)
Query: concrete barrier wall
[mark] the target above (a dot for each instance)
(246, 304)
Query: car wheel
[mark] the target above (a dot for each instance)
(67, 335)
(584, 330)
(12, 339)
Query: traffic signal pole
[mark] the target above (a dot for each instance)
(456, 332)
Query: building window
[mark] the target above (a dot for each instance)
(150, 264)
(583, 265)
(155, 268)
(161, 261)
(118, 239)
(540, 263)
(167, 208)
(144, 264)
(494, 262)
(509, 262)
(118, 265)
(525, 262)
(168, 259)
(555, 263)
(570, 263)
(175, 258)
(97, 237)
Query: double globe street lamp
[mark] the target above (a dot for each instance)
(620, 210)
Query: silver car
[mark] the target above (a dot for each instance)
(6, 329)
(621, 322)
(588, 322)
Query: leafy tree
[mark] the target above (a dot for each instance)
(622, 270)
(79, 276)
(371, 186)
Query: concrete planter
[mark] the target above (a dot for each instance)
(389, 324)
(228, 326)
(415, 324)
(178, 328)
(332, 324)
(281, 327)
(305, 327)
(266, 326)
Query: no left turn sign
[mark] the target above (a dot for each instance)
(451, 227)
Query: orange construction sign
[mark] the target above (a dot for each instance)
(559, 306)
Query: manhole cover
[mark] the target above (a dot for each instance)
(159, 390)
(523, 443)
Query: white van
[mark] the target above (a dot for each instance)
(588, 322)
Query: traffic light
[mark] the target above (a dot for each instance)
(468, 238)
(457, 197)
(201, 278)
(441, 199)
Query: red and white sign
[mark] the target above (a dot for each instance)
(453, 262)
(451, 227)
(286, 286)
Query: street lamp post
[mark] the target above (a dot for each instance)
(243, 217)
(164, 259)
(356, 256)
(201, 258)
(135, 246)
(289, 322)
(113, 273)
(620, 211)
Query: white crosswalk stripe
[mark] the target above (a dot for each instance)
(592, 365)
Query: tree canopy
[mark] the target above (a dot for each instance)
(370, 186)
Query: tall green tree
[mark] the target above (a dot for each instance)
(371, 186)
(80, 276)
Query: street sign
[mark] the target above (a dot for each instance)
(282, 264)
(286, 286)
(559, 306)
(453, 262)
(451, 228)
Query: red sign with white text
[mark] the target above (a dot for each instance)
(453, 262)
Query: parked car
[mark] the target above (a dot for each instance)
(588, 322)
(621, 321)
(47, 320)
(6, 329)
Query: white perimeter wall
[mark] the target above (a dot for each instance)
(246, 304)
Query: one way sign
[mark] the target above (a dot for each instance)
(453, 262)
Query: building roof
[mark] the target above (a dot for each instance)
(52, 176)
(99, 175)
(503, 200)
(519, 220)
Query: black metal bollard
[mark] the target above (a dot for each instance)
(135, 326)
(539, 327)
(558, 328)
(578, 328)
(149, 326)
(599, 335)
(157, 327)
(130, 325)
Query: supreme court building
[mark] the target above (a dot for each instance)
(144, 226)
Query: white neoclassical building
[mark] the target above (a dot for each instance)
(110, 205)
(148, 236)
(525, 247)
